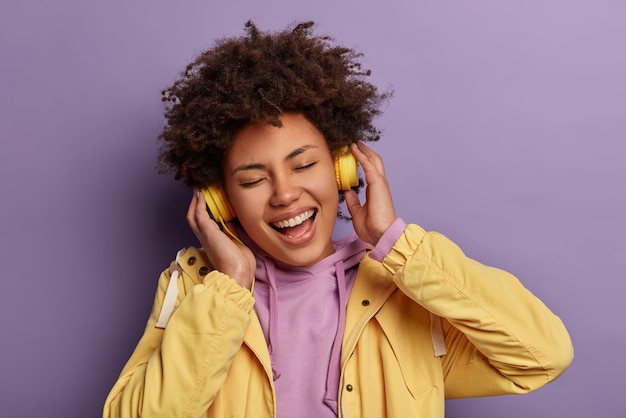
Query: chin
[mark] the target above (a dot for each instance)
(301, 257)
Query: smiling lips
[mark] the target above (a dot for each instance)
(293, 227)
(297, 220)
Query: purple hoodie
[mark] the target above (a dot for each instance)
(302, 313)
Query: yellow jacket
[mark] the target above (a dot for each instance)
(399, 359)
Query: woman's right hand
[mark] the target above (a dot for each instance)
(224, 253)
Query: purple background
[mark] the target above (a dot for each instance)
(506, 133)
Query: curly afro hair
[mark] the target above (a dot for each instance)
(255, 78)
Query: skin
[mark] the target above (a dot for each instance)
(275, 174)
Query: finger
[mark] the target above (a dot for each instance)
(198, 217)
(353, 204)
(374, 174)
(191, 212)
(202, 217)
(367, 156)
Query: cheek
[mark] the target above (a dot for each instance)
(329, 190)
(247, 206)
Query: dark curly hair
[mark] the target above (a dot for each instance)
(255, 78)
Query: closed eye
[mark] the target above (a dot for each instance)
(304, 167)
(250, 183)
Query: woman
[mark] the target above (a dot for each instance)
(270, 317)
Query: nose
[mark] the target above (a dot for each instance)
(285, 191)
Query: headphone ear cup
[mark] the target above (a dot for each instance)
(219, 206)
(346, 169)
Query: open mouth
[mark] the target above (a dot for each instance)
(296, 226)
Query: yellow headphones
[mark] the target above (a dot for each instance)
(345, 171)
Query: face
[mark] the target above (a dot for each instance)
(281, 184)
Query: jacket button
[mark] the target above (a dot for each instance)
(204, 270)
(365, 302)
(191, 260)
(349, 388)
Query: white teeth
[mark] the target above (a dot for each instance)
(297, 220)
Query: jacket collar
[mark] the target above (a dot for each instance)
(373, 285)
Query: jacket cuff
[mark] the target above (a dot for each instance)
(404, 248)
(389, 238)
(230, 290)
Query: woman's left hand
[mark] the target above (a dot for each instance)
(371, 219)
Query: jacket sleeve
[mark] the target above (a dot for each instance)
(176, 371)
(500, 339)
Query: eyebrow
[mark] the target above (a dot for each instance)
(258, 166)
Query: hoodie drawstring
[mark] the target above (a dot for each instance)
(270, 270)
(334, 365)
